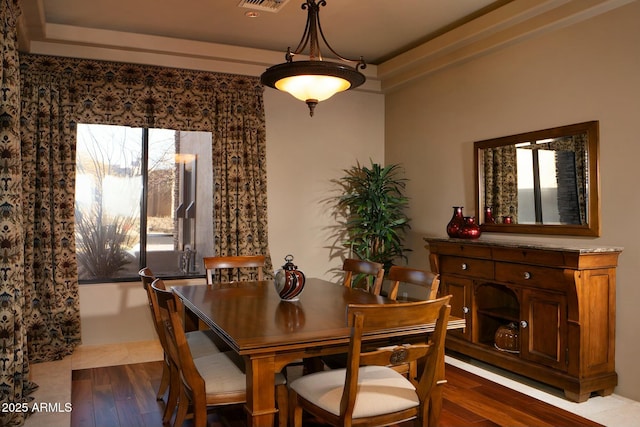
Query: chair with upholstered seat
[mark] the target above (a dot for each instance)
(200, 342)
(426, 279)
(368, 392)
(208, 381)
(359, 274)
(147, 277)
(363, 274)
(413, 276)
(217, 266)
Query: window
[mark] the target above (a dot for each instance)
(143, 198)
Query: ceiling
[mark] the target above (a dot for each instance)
(400, 39)
(374, 29)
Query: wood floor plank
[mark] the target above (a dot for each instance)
(106, 414)
(120, 384)
(485, 406)
(83, 413)
(125, 396)
(82, 391)
(128, 413)
(461, 416)
(143, 391)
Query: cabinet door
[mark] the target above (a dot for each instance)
(543, 329)
(461, 291)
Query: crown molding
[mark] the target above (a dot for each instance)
(512, 23)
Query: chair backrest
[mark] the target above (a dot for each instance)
(367, 317)
(358, 271)
(221, 264)
(426, 279)
(176, 340)
(155, 310)
(146, 276)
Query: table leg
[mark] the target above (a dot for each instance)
(261, 403)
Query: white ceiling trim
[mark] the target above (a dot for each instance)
(512, 23)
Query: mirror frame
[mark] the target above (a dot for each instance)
(592, 228)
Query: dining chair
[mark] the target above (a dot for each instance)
(358, 271)
(360, 274)
(368, 392)
(220, 264)
(209, 381)
(425, 279)
(414, 276)
(200, 342)
(147, 277)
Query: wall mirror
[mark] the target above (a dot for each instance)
(541, 182)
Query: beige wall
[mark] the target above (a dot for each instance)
(590, 71)
(303, 155)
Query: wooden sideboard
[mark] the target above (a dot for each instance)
(561, 299)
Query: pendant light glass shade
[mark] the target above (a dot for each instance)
(314, 80)
(307, 87)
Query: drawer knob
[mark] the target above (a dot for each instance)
(465, 310)
(464, 266)
(523, 324)
(527, 275)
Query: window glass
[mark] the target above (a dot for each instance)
(138, 202)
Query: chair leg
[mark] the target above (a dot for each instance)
(164, 381)
(295, 411)
(199, 411)
(183, 408)
(174, 391)
(282, 397)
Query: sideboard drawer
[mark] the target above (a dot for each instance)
(527, 275)
(530, 256)
(469, 267)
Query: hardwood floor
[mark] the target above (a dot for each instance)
(124, 396)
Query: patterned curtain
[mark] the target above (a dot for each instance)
(14, 365)
(48, 174)
(501, 181)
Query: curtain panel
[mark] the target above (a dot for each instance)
(15, 386)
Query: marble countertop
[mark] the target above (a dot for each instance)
(488, 241)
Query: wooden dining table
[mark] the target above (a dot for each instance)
(270, 333)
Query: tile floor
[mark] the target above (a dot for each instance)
(54, 379)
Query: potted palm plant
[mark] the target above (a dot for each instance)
(373, 201)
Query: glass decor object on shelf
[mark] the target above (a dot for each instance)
(289, 281)
(541, 182)
(469, 230)
(508, 338)
(456, 223)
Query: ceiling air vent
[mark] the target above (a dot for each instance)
(265, 5)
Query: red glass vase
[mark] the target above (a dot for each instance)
(456, 223)
(470, 230)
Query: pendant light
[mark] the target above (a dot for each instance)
(314, 80)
